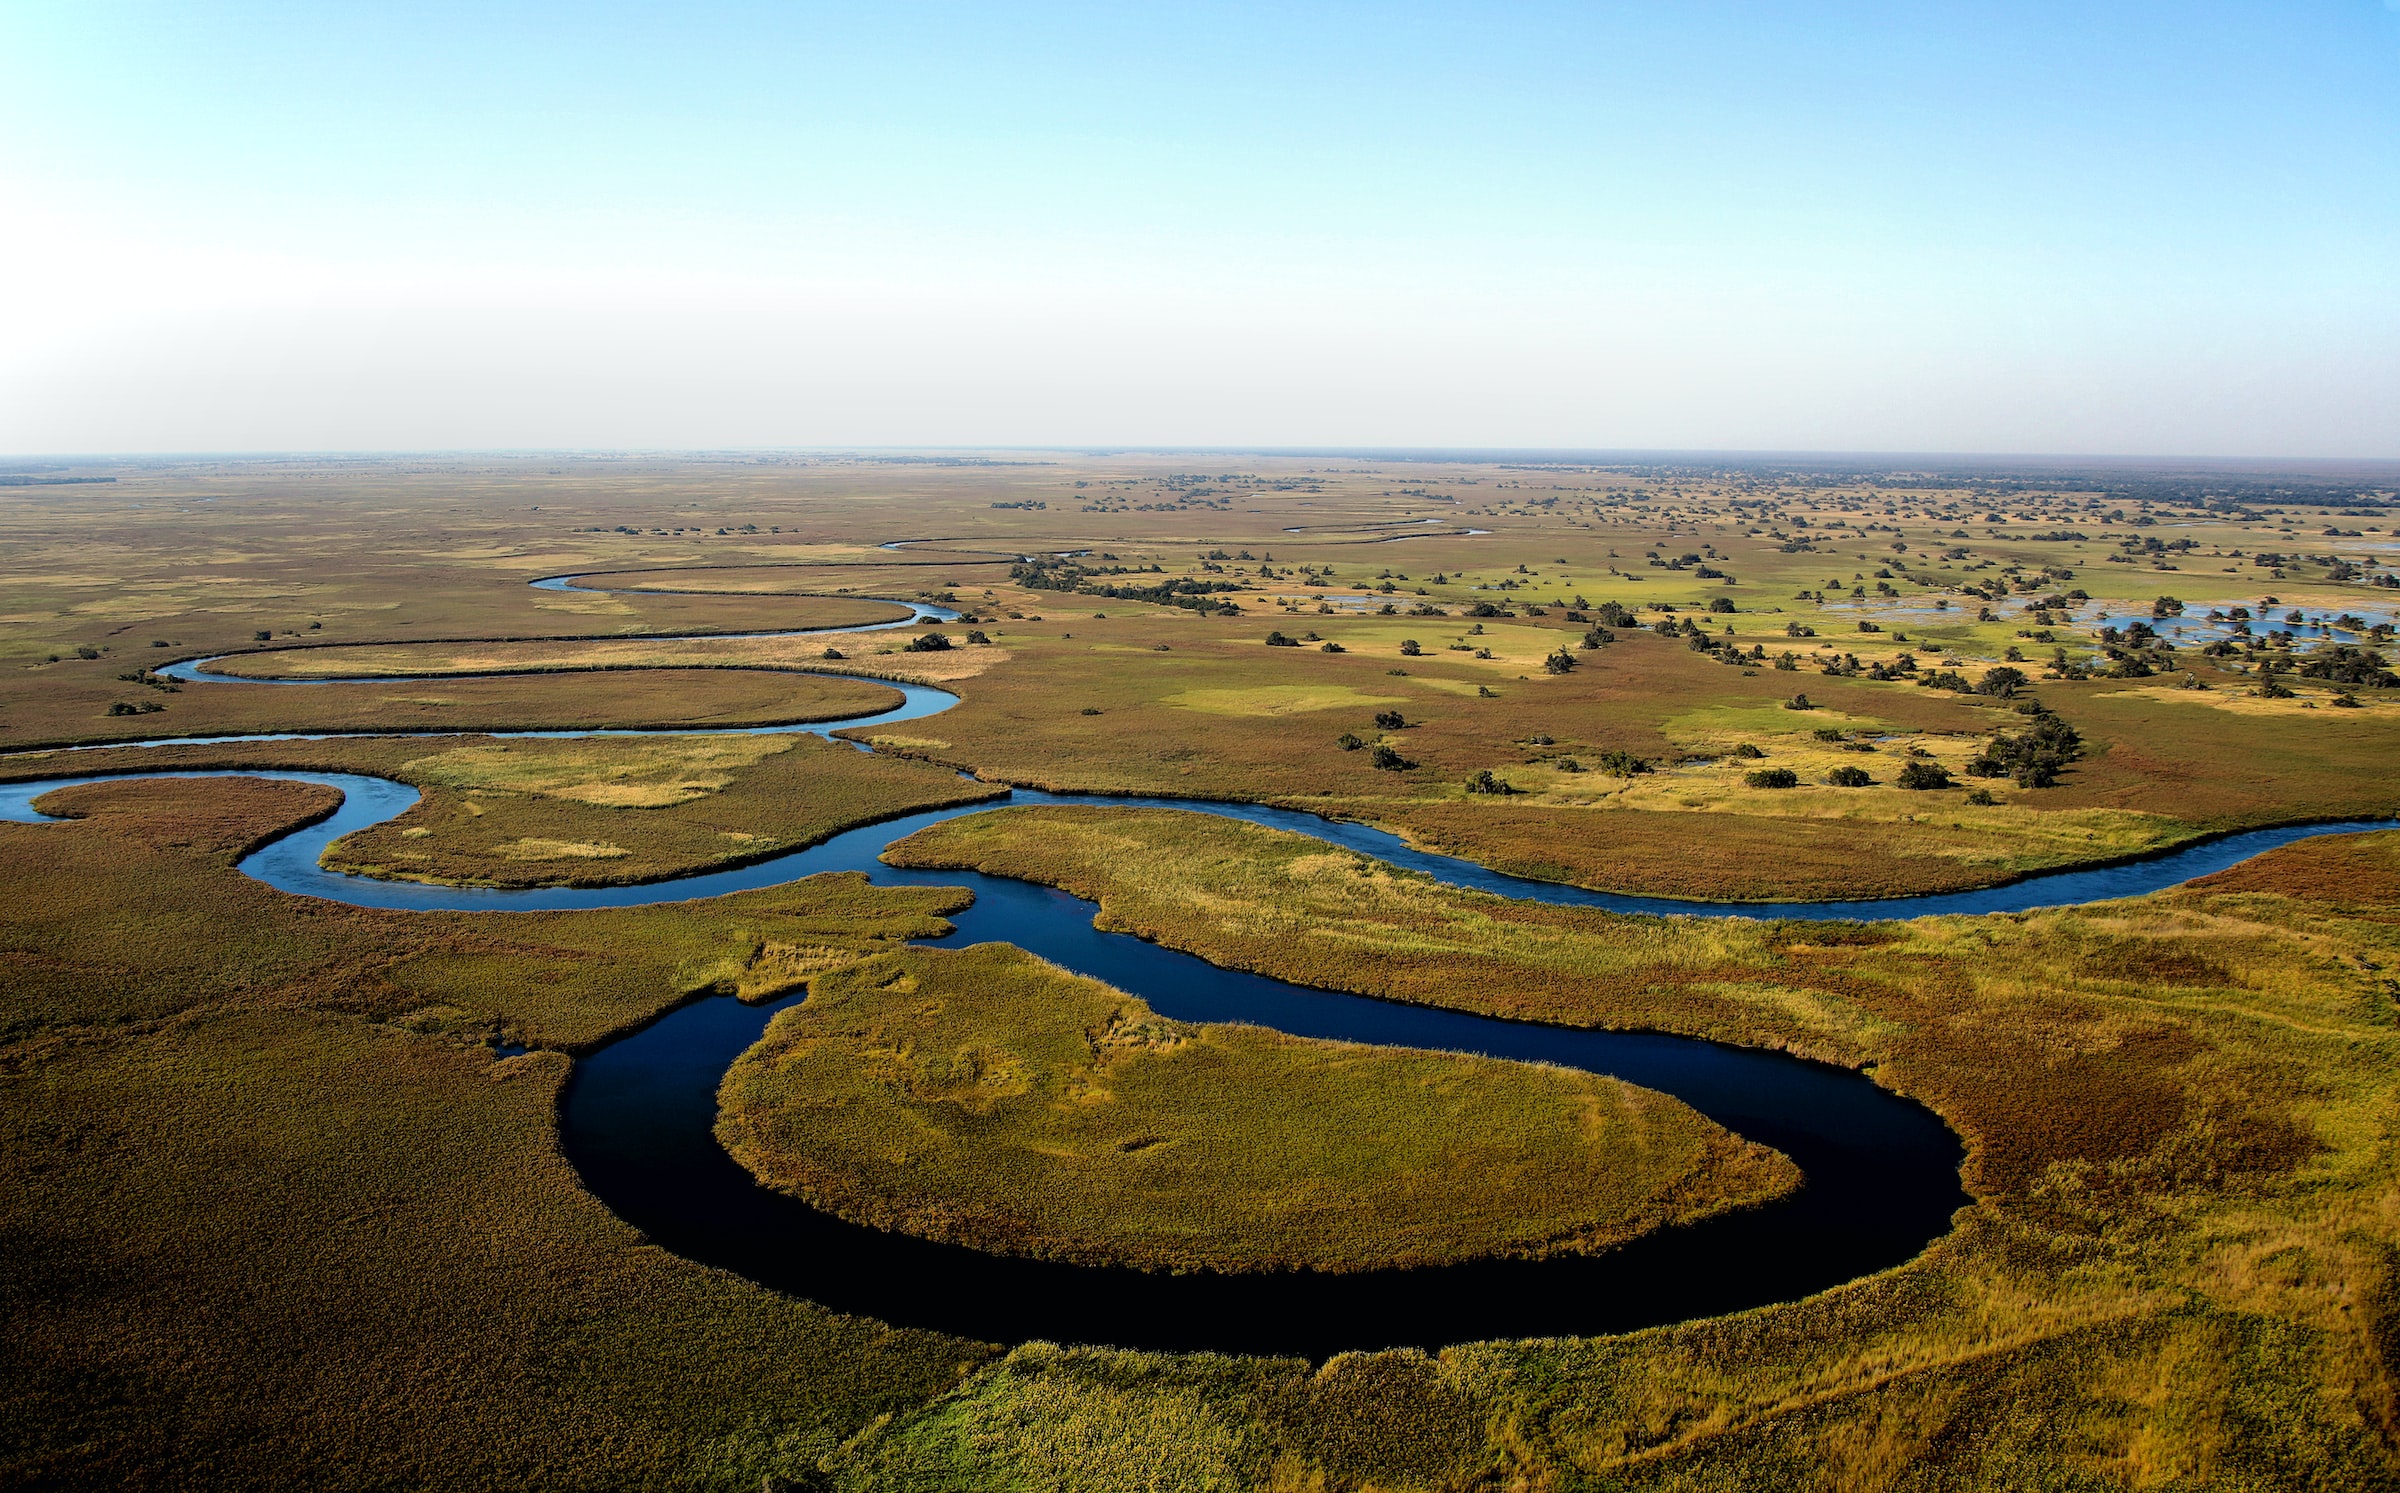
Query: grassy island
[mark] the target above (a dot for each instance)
(987, 1097)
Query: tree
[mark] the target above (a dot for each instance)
(1923, 775)
(1389, 720)
(1332, 648)
(2034, 757)
(1849, 777)
(1484, 782)
(1278, 640)
(1773, 777)
(1348, 742)
(1619, 763)
(1748, 752)
(2002, 682)
(2347, 663)
(1409, 648)
(931, 642)
(1561, 662)
(1391, 761)
(1720, 603)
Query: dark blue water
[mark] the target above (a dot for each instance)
(637, 1121)
(637, 1118)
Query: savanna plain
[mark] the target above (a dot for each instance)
(284, 1197)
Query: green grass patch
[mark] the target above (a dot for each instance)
(987, 1097)
(1278, 699)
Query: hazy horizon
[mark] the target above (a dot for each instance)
(1824, 229)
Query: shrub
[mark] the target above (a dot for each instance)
(1920, 774)
(2034, 757)
(1720, 603)
(1278, 640)
(931, 642)
(1773, 777)
(1090, 710)
(1391, 761)
(1619, 763)
(2347, 663)
(976, 635)
(1561, 662)
(2002, 683)
(1332, 648)
(1748, 752)
(1348, 742)
(1981, 797)
(1798, 702)
(835, 653)
(1484, 782)
(1850, 777)
(1389, 720)
(1409, 648)
(1486, 692)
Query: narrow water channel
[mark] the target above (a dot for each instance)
(637, 1116)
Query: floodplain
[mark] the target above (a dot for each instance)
(284, 1196)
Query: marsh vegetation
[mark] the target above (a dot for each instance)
(279, 1213)
(986, 1097)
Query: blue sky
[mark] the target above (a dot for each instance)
(2117, 228)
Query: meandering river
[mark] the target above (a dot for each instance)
(638, 1114)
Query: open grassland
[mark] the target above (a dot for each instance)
(1200, 707)
(278, 1216)
(610, 811)
(873, 654)
(1955, 572)
(272, 1215)
(2180, 1112)
(276, 1213)
(603, 811)
(600, 701)
(986, 1097)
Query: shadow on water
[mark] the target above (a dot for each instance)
(1882, 1176)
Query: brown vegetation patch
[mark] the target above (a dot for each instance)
(2361, 870)
(212, 816)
